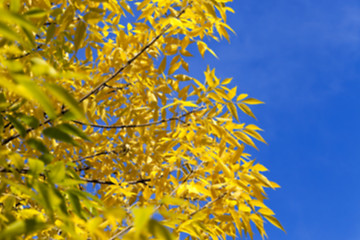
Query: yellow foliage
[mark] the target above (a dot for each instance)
(103, 137)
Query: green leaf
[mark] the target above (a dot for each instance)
(58, 134)
(159, 231)
(45, 193)
(18, 126)
(30, 38)
(29, 120)
(35, 13)
(8, 33)
(68, 99)
(41, 67)
(142, 217)
(71, 129)
(37, 145)
(56, 172)
(21, 227)
(46, 158)
(36, 166)
(1, 126)
(29, 90)
(17, 19)
(75, 203)
(79, 34)
(15, 5)
(50, 32)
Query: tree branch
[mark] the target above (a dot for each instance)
(26, 54)
(208, 204)
(94, 155)
(139, 125)
(27, 170)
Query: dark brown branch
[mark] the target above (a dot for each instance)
(139, 125)
(143, 181)
(27, 170)
(94, 155)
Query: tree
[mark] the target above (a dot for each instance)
(104, 136)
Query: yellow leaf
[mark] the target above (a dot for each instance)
(254, 134)
(162, 66)
(252, 101)
(241, 96)
(233, 110)
(226, 81)
(174, 66)
(246, 110)
(266, 211)
(232, 93)
(244, 138)
(274, 222)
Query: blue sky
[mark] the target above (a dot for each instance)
(302, 58)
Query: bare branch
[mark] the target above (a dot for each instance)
(139, 125)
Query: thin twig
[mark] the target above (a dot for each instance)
(143, 181)
(139, 125)
(94, 155)
(26, 54)
(208, 204)
(27, 170)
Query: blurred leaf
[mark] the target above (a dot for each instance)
(17, 125)
(29, 90)
(35, 13)
(29, 120)
(79, 34)
(56, 172)
(13, 18)
(41, 67)
(142, 217)
(36, 166)
(75, 203)
(71, 129)
(159, 231)
(21, 227)
(50, 32)
(45, 193)
(37, 144)
(46, 158)
(8, 33)
(58, 134)
(68, 99)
